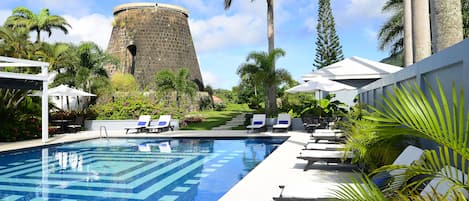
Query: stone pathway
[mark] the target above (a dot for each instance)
(235, 122)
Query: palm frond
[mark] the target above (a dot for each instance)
(362, 188)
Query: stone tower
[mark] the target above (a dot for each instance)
(148, 37)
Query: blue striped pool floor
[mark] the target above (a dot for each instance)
(130, 169)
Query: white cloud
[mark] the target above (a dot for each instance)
(95, 27)
(210, 79)
(365, 8)
(224, 31)
(310, 24)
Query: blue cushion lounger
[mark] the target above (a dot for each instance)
(142, 123)
(162, 124)
(257, 122)
(283, 122)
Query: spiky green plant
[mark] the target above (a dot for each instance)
(409, 111)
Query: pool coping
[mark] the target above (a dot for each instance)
(88, 135)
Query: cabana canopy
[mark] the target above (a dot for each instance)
(28, 81)
(354, 69)
(319, 84)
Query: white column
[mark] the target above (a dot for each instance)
(408, 50)
(421, 29)
(45, 105)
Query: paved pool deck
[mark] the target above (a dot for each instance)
(261, 184)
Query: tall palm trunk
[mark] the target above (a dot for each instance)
(421, 30)
(271, 104)
(270, 24)
(38, 36)
(446, 23)
(408, 50)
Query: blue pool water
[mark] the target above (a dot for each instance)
(131, 169)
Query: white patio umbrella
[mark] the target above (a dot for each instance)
(319, 84)
(63, 90)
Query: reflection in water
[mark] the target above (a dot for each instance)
(163, 147)
(69, 160)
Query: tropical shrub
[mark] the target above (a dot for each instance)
(205, 103)
(132, 106)
(20, 115)
(434, 117)
(220, 107)
(124, 82)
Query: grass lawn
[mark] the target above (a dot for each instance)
(216, 118)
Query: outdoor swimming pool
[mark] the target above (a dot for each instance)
(152, 169)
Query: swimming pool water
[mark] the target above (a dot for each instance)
(131, 169)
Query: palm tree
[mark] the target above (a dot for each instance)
(272, 91)
(260, 69)
(90, 72)
(392, 31)
(15, 43)
(43, 21)
(391, 34)
(179, 81)
(60, 56)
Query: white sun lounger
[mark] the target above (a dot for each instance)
(436, 185)
(328, 131)
(325, 146)
(162, 124)
(283, 122)
(142, 123)
(257, 122)
(333, 136)
(313, 156)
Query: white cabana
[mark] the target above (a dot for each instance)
(319, 84)
(353, 71)
(354, 68)
(28, 81)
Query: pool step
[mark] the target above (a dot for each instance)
(235, 122)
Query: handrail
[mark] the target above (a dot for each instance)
(105, 132)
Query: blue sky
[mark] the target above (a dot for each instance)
(223, 38)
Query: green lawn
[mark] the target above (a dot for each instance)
(216, 118)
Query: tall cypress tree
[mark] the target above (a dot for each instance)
(328, 48)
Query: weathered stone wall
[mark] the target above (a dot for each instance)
(149, 37)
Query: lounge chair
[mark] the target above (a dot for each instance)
(313, 156)
(163, 124)
(142, 124)
(257, 122)
(436, 185)
(323, 146)
(283, 122)
(331, 135)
